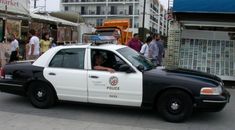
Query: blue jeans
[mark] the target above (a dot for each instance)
(154, 61)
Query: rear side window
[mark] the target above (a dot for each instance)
(69, 58)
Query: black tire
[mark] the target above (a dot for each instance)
(175, 105)
(41, 95)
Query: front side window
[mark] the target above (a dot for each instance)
(69, 58)
(135, 58)
(106, 59)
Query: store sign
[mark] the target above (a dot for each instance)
(204, 6)
(15, 6)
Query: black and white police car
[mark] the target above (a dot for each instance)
(67, 73)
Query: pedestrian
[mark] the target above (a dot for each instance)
(34, 47)
(53, 43)
(145, 48)
(161, 52)
(27, 51)
(14, 49)
(22, 43)
(45, 43)
(154, 50)
(135, 43)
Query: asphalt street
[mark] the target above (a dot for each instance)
(16, 113)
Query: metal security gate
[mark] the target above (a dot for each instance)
(212, 56)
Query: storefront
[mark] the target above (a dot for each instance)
(62, 31)
(207, 36)
(14, 17)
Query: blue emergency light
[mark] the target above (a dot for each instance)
(101, 38)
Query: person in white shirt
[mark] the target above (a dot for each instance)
(14, 49)
(145, 48)
(34, 46)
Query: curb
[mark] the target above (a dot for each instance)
(230, 87)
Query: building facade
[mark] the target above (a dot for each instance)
(95, 12)
(203, 37)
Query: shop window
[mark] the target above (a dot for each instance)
(69, 58)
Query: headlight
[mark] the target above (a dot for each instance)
(211, 91)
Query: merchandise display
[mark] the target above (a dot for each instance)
(212, 56)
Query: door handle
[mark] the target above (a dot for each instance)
(53, 74)
(93, 77)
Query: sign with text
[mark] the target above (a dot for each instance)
(15, 6)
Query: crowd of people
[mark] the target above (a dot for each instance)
(153, 48)
(30, 49)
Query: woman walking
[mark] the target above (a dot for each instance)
(45, 43)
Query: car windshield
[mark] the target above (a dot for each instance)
(135, 58)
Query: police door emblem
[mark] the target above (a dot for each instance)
(113, 81)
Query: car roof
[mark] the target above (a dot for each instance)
(109, 46)
(42, 60)
(102, 46)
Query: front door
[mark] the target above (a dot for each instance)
(67, 74)
(116, 88)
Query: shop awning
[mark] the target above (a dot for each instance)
(70, 16)
(52, 19)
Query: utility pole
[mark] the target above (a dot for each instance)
(35, 4)
(143, 22)
(133, 17)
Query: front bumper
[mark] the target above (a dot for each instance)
(212, 103)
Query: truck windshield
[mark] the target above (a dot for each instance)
(135, 58)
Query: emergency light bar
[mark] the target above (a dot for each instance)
(98, 40)
(102, 38)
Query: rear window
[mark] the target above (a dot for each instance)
(69, 58)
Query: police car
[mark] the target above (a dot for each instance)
(68, 73)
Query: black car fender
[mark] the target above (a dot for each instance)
(173, 87)
(39, 79)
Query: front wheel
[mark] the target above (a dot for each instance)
(175, 105)
(41, 95)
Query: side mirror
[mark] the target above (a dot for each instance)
(126, 68)
(140, 68)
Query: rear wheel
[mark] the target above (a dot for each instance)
(175, 105)
(41, 95)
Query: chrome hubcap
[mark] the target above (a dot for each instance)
(39, 94)
(175, 106)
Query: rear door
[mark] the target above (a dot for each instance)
(67, 73)
(118, 88)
